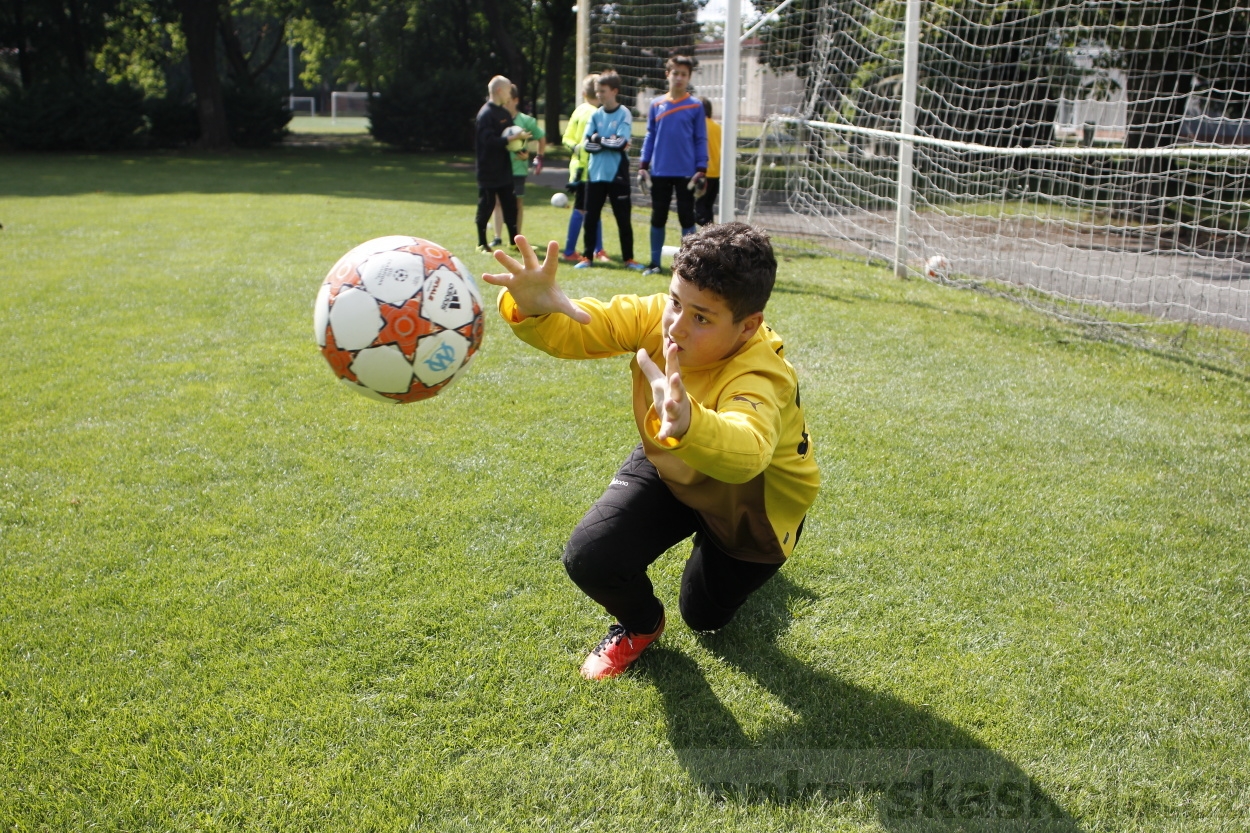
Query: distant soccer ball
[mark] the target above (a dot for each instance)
(937, 267)
(560, 199)
(398, 318)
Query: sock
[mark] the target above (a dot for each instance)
(576, 218)
(599, 237)
(481, 235)
(657, 244)
(686, 231)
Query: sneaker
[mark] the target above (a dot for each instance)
(651, 270)
(582, 263)
(602, 256)
(635, 265)
(496, 242)
(485, 250)
(570, 257)
(618, 650)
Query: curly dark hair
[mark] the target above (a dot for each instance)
(733, 260)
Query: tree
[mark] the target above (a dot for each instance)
(200, 22)
(54, 39)
(641, 35)
(562, 26)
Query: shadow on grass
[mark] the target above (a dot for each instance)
(365, 172)
(847, 744)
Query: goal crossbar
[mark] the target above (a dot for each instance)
(1170, 151)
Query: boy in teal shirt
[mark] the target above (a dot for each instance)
(607, 141)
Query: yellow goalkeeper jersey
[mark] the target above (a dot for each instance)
(747, 464)
(574, 134)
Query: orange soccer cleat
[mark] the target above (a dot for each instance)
(618, 650)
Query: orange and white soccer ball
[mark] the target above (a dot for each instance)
(937, 267)
(398, 318)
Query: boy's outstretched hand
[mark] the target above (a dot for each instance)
(534, 287)
(668, 393)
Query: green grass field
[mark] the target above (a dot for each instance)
(236, 596)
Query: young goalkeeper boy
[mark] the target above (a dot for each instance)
(725, 454)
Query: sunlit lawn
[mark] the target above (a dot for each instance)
(234, 595)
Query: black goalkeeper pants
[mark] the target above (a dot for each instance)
(635, 521)
(597, 193)
(486, 197)
(663, 190)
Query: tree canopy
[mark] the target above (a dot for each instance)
(205, 49)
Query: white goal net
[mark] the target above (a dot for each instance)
(349, 105)
(1091, 152)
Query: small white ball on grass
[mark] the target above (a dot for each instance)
(560, 199)
(937, 267)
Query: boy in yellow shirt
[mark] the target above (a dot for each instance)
(725, 454)
(574, 139)
(705, 206)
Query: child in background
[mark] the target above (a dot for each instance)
(705, 206)
(725, 454)
(574, 135)
(674, 155)
(520, 164)
(607, 141)
(494, 162)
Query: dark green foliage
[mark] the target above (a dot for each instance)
(432, 114)
(172, 121)
(257, 115)
(641, 35)
(64, 114)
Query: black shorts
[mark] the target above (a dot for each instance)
(631, 525)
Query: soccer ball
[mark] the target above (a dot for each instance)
(560, 199)
(937, 267)
(512, 135)
(398, 318)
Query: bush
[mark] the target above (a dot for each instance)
(257, 116)
(67, 114)
(172, 121)
(434, 113)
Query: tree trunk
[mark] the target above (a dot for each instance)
(518, 71)
(23, 56)
(555, 74)
(199, 27)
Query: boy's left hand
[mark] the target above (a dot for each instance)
(534, 287)
(669, 394)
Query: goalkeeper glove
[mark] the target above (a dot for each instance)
(698, 184)
(644, 182)
(592, 144)
(537, 164)
(614, 142)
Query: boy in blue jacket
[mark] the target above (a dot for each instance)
(674, 155)
(606, 140)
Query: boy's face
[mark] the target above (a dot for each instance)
(607, 96)
(700, 323)
(513, 106)
(678, 79)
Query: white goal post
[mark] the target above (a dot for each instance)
(348, 104)
(296, 103)
(1097, 153)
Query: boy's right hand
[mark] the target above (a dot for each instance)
(534, 287)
